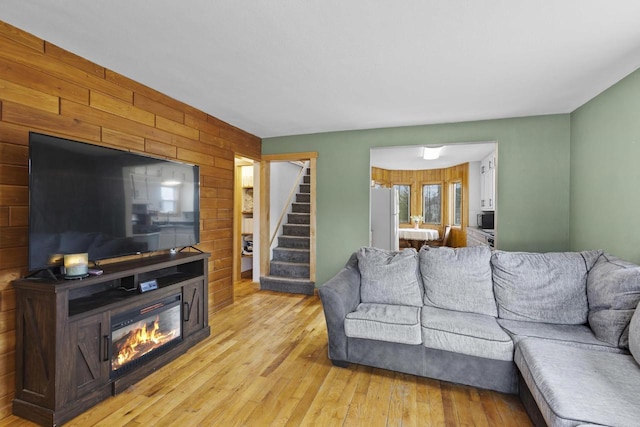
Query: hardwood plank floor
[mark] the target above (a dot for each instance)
(265, 364)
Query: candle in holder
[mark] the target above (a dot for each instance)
(76, 265)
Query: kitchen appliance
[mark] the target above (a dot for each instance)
(485, 220)
(384, 218)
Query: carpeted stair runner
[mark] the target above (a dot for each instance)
(289, 267)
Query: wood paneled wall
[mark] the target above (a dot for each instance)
(417, 178)
(47, 89)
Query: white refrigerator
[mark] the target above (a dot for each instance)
(384, 218)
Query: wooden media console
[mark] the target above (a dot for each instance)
(64, 331)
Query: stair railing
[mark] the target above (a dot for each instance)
(285, 209)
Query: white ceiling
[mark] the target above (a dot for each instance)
(410, 157)
(285, 67)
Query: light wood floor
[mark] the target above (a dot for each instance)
(266, 364)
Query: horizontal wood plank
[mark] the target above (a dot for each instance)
(223, 163)
(21, 37)
(43, 82)
(7, 320)
(177, 128)
(13, 134)
(135, 87)
(12, 154)
(7, 276)
(12, 257)
(14, 237)
(157, 108)
(14, 175)
(45, 121)
(74, 60)
(123, 140)
(194, 157)
(29, 97)
(4, 216)
(122, 124)
(120, 108)
(18, 216)
(160, 149)
(14, 51)
(13, 195)
(202, 124)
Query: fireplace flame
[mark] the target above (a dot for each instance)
(139, 342)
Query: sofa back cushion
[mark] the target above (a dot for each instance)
(634, 334)
(389, 277)
(613, 291)
(542, 287)
(458, 279)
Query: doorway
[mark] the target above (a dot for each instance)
(245, 220)
(454, 188)
(272, 223)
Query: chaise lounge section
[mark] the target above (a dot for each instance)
(555, 327)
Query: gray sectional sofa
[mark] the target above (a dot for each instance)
(559, 328)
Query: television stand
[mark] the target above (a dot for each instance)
(34, 274)
(189, 247)
(64, 331)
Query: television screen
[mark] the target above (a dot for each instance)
(106, 202)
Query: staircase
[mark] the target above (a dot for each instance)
(289, 267)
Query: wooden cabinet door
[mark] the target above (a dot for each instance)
(90, 346)
(139, 188)
(193, 307)
(487, 183)
(36, 344)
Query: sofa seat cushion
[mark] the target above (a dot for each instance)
(613, 291)
(458, 279)
(467, 333)
(574, 386)
(384, 322)
(389, 277)
(542, 287)
(573, 335)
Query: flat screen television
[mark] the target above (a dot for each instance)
(85, 198)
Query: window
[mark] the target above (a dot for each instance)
(168, 198)
(456, 200)
(432, 203)
(404, 203)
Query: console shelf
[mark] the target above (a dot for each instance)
(63, 326)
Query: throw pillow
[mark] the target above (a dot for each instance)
(458, 279)
(389, 277)
(634, 334)
(542, 287)
(613, 291)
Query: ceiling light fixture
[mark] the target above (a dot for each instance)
(170, 181)
(431, 153)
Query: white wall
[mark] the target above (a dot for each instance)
(284, 176)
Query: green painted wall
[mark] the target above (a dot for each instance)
(533, 180)
(605, 172)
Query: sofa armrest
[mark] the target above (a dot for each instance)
(340, 295)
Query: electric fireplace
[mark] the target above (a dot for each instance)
(138, 335)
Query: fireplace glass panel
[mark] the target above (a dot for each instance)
(140, 334)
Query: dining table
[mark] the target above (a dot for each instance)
(422, 234)
(417, 237)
